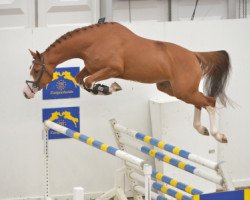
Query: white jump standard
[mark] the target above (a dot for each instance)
(147, 169)
(134, 139)
(139, 173)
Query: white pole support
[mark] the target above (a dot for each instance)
(227, 184)
(147, 170)
(78, 193)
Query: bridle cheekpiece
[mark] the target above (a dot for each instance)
(35, 84)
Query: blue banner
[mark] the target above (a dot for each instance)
(63, 84)
(68, 117)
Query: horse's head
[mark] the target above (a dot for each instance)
(40, 75)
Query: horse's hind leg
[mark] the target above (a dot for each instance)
(167, 88)
(213, 127)
(187, 91)
(197, 122)
(200, 100)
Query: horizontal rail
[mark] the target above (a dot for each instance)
(164, 189)
(175, 162)
(154, 195)
(173, 182)
(95, 143)
(165, 146)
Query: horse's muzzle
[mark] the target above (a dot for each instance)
(25, 95)
(29, 93)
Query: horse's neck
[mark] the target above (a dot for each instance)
(66, 50)
(57, 56)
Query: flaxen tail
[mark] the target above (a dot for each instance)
(216, 69)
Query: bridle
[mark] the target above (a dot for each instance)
(35, 84)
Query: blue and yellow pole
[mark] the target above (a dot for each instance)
(181, 165)
(166, 190)
(175, 183)
(95, 143)
(167, 147)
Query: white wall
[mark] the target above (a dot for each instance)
(17, 14)
(157, 10)
(47, 13)
(209, 10)
(73, 163)
(58, 12)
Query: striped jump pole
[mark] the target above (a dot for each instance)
(147, 169)
(162, 188)
(175, 183)
(154, 195)
(220, 179)
(175, 162)
(170, 181)
(95, 143)
(165, 146)
(173, 193)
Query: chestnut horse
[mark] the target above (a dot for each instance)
(110, 50)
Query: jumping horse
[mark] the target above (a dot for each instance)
(110, 50)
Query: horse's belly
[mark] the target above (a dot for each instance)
(146, 74)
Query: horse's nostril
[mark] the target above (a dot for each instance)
(26, 96)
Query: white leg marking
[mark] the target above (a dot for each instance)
(91, 85)
(213, 126)
(197, 122)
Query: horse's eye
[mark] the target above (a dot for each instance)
(36, 71)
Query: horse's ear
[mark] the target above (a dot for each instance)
(38, 55)
(33, 54)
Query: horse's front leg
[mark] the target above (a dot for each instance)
(103, 74)
(197, 122)
(80, 76)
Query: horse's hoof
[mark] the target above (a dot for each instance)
(224, 140)
(220, 137)
(202, 130)
(115, 87)
(205, 131)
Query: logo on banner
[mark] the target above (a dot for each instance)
(68, 117)
(63, 84)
